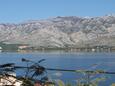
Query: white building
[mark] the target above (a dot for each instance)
(0, 48)
(23, 47)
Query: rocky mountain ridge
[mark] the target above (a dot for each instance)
(61, 32)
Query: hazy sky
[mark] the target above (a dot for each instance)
(21, 10)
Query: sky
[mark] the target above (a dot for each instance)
(14, 11)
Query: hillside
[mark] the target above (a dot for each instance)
(61, 32)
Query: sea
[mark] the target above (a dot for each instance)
(83, 61)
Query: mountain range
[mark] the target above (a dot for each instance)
(61, 32)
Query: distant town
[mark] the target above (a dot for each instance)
(18, 47)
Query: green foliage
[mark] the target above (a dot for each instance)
(27, 82)
(69, 84)
(60, 83)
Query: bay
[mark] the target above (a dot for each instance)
(67, 60)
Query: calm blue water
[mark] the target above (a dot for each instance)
(65, 60)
